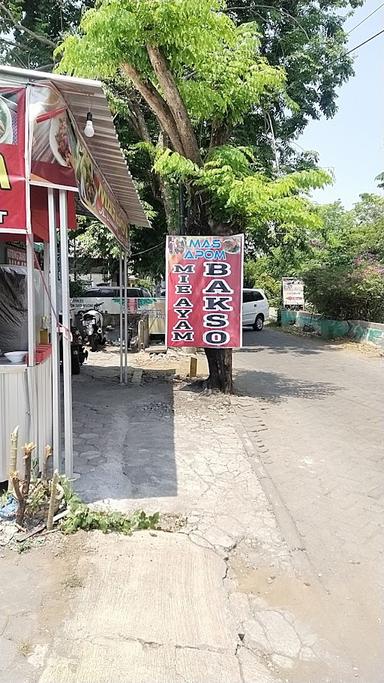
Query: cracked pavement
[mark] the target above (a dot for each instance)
(232, 597)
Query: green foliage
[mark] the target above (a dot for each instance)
(344, 275)
(239, 160)
(348, 293)
(81, 516)
(47, 19)
(257, 203)
(271, 211)
(175, 167)
(217, 66)
(223, 63)
(257, 274)
(94, 242)
(230, 79)
(280, 71)
(307, 38)
(342, 262)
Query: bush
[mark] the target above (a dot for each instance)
(354, 292)
(257, 274)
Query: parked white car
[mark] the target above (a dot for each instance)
(255, 309)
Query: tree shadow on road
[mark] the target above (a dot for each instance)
(274, 341)
(273, 387)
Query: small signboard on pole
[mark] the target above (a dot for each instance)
(204, 291)
(293, 292)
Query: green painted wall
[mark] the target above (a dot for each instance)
(357, 330)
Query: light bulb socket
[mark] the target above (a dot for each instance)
(89, 130)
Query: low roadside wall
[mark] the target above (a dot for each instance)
(358, 330)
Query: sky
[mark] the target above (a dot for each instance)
(352, 143)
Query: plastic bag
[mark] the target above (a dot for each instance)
(13, 309)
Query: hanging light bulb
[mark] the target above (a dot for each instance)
(89, 130)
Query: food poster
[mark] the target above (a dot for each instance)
(52, 138)
(60, 157)
(96, 196)
(12, 161)
(204, 291)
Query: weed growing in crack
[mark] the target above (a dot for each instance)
(81, 516)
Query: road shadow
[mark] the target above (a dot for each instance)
(272, 341)
(123, 436)
(273, 387)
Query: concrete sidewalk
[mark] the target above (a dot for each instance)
(222, 600)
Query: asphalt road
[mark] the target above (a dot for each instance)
(321, 407)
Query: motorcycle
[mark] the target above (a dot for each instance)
(92, 324)
(78, 353)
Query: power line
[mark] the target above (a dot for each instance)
(364, 43)
(365, 19)
(146, 250)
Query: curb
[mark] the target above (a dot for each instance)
(290, 533)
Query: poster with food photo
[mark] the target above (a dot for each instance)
(60, 157)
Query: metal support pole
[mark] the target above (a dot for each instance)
(66, 335)
(126, 318)
(56, 414)
(29, 244)
(121, 314)
(46, 279)
(31, 300)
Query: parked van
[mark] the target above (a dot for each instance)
(138, 297)
(255, 309)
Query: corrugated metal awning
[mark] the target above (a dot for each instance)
(83, 95)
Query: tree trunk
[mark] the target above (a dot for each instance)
(220, 369)
(199, 222)
(172, 115)
(175, 103)
(157, 104)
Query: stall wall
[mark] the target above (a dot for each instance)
(26, 401)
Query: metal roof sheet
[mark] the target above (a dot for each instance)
(84, 95)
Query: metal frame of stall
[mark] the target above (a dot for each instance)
(57, 193)
(66, 325)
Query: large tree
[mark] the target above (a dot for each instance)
(304, 37)
(199, 74)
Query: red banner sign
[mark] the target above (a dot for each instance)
(12, 163)
(204, 291)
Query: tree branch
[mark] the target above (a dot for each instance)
(219, 134)
(175, 104)
(140, 123)
(157, 104)
(20, 27)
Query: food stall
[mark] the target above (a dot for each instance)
(59, 155)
